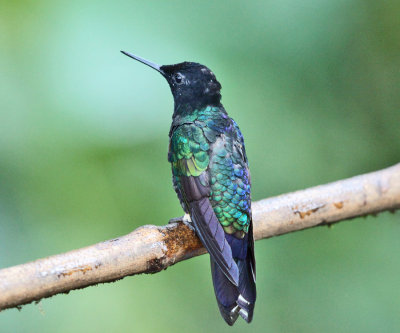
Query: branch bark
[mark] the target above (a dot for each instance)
(150, 249)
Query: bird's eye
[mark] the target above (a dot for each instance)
(178, 78)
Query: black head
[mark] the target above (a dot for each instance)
(191, 83)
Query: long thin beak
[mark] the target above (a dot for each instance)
(144, 61)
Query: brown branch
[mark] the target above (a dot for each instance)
(150, 249)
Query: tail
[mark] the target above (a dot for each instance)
(226, 293)
(232, 300)
(247, 289)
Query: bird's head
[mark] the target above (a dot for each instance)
(191, 83)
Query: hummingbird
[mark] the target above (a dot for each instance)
(211, 178)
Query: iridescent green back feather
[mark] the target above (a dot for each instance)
(198, 149)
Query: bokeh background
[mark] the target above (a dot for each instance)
(314, 86)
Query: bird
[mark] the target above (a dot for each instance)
(211, 177)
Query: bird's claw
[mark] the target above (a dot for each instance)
(176, 220)
(186, 220)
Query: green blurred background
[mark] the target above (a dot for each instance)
(314, 86)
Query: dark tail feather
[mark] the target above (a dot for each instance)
(247, 289)
(226, 293)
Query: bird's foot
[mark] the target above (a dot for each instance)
(183, 219)
(186, 220)
(176, 220)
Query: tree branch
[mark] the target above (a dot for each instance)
(150, 249)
